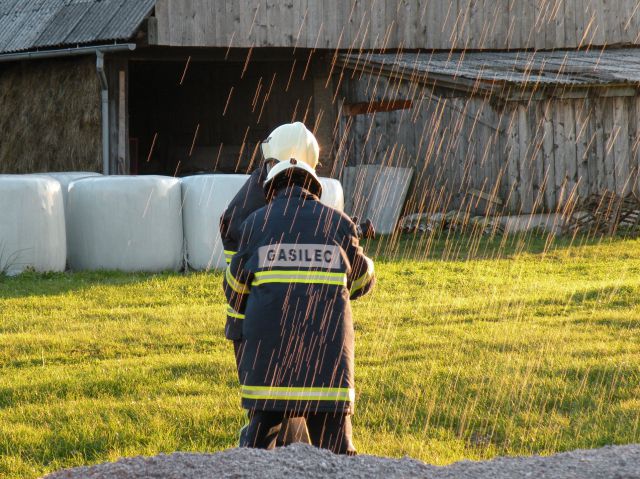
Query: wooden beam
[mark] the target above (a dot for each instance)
(117, 75)
(504, 91)
(362, 108)
(123, 167)
(152, 31)
(233, 55)
(485, 196)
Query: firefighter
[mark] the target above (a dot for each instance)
(291, 140)
(298, 265)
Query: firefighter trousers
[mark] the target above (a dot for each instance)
(327, 430)
(292, 430)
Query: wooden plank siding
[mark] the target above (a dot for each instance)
(533, 156)
(398, 24)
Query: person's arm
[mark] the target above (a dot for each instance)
(236, 285)
(237, 277)
(361, 278)
(246, 201)
(229, 243)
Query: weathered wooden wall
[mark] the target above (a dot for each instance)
(410, 24)
(532, 156)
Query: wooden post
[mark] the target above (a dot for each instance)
(513, 156)
(569, 149)
(582, 146)
(117, 76)
(525, 185)
(548, 154)
(559, 140)
(325, 113)
(635, 151)
(621, 145)
(609, 137)
(536, 122)
(593, 155)
(123, 166)
(600, 153)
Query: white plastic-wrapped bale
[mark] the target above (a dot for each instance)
(126, 223)
(205, 197)
(65, 179)
(332, 194)
(32, 229)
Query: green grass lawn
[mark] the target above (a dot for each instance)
(465, 350)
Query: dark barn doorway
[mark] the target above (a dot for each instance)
(196, 116)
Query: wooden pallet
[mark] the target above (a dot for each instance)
(605, 213)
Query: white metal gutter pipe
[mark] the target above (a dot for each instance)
(99, 51)
(67, 52)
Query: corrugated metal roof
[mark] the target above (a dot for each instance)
(33, 24)
(528, 69)
(129, 17)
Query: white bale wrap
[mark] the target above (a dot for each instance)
(126, 223)
(32, 226)
(204, 199)
(65, 179)
(332, 194)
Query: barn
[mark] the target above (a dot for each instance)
(518, 132)
(509, 105)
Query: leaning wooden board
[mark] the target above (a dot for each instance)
(376, 192)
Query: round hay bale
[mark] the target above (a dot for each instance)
(65, 178)
(332, 194)
(204, 199)
(32, 226)
(126, 223)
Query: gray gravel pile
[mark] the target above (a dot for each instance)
(302, 461)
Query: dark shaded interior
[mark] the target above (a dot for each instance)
(189, 117)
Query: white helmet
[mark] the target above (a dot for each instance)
(292, 140)
(292, 170)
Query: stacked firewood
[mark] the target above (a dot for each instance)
(455, 221)
(606, 214)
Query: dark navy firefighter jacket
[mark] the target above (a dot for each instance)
(297, 267)
(249, 199)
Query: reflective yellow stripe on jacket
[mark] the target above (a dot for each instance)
(228, 255)
(310, 277)
(363, 280)
(233, 313)
(234, 284)
(298, 394)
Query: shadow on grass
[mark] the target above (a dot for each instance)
(112, 384)
(404, 247)
(52, 284)
(606, 297)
